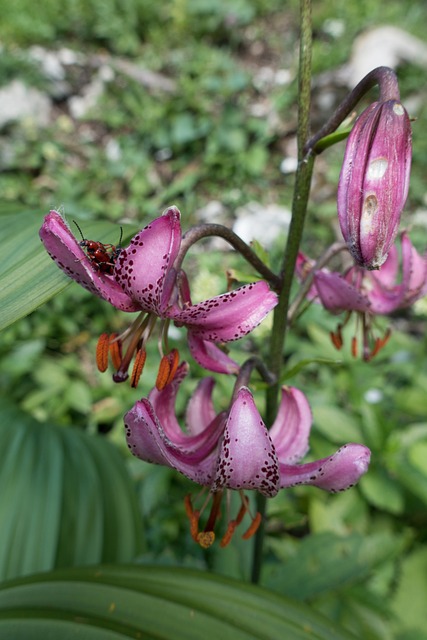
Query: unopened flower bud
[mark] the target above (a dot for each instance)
(374, 181)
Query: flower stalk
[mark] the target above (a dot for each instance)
(299, 210)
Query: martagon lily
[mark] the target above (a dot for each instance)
(234, 450)
(369, 293)
(143, 279)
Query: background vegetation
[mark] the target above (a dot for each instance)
(214, 124)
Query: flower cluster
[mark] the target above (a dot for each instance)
(234, 450)
(368, 293)
(143, 279)
(231, 450)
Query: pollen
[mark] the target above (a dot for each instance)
(206, 539)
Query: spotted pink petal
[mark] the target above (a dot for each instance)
(195, 457)
(336, 473)
(209, 356)
(337, 295)
(291, 429)
(142, 268)
(65, 250)
(230, 315)
(247, 458)
(200, 410)
(163, 403)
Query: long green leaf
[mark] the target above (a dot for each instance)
(327, 562)
(28, 276)
(153, 602)
(66, 498)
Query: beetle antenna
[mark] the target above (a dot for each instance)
(81, 233)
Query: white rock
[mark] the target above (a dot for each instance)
(384, 46)
(20, 102)
(264, 223)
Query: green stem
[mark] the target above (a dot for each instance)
(299, 209)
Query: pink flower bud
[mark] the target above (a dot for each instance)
(374, 181)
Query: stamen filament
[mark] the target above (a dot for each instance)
(215, 513)
(140, 331)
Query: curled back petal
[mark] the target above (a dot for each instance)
(65, 250)
(387, 295)
(247, 457)
(163, 403)
(414, 272)
(200, 410)
(194, 458)
(291, 429)
(336, 473)
(142, 268)
(338, 295)
(209, 356)
(230, 315)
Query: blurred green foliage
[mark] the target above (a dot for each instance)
(359, 557)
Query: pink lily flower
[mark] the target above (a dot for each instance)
(142, 278)
(234, 449)
(370, 293)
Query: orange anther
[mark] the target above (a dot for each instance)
(241, 513)
(226, 538)
(138, 366)
(115, 351)
(194, 525)
(173, 357)
(386, 338)
(354, 347)
(102, 348)
(163, 373)
(336, 339)
(253, 527)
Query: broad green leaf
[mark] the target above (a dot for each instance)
(28, 275)
(336, 424)
(66, 498)
(382, 491)
(405, 458)
(324, 562)
(290, 373)
(409, 601)
(153, 602)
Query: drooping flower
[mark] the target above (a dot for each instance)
(142, 278)
(234, 450)
(374, 181)
(370, 293)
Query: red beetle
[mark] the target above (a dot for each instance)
(103, 256)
